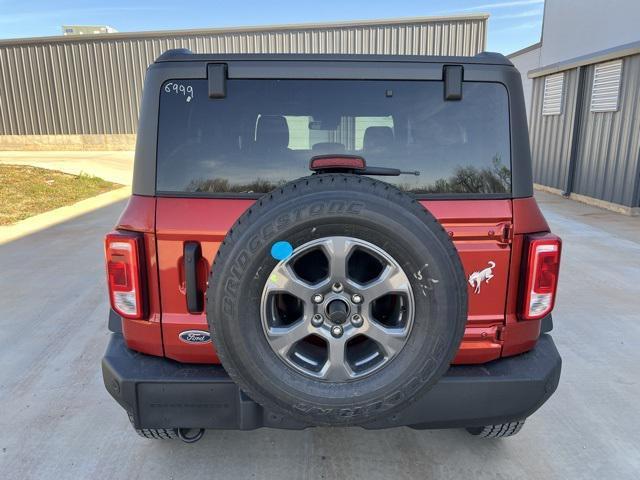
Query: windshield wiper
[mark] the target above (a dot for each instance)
(387, 172)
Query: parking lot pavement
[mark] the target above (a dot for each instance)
(114, 166)
(57, 421)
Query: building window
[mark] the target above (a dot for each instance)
(606, 86)
(553, 90)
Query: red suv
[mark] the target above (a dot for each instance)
(331, 240)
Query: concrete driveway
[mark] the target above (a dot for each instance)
(113, 166)
(57, 421)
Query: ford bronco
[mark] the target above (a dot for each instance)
(331, 240)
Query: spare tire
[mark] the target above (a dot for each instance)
(336, 299)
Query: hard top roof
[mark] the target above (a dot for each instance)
(185, 55)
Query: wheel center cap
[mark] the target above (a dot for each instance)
(337, 311)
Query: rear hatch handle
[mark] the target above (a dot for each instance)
(192, 255)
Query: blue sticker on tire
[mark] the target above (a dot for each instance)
(281, 250)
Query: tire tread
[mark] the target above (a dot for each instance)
(296, 187)
(154, 433)
(500, 430)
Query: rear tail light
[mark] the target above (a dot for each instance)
(125, 273)
(541, 276)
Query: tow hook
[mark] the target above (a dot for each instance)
(183, 434)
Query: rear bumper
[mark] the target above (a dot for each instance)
(161, 393)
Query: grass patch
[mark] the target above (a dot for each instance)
(26, 191)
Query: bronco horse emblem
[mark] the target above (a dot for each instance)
(476, 278)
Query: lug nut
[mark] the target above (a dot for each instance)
(356, 320)
(317, 320)
(336, 331)
(317, 298)
(356, 298)
(336, 287)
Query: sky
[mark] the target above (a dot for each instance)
(513, 24)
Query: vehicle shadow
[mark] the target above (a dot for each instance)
(322, 452)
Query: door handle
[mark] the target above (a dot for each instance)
(192, 255)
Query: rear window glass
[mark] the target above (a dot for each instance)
(264, 132)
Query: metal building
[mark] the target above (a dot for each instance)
(591, 146)
(84, 91)
(584, 103)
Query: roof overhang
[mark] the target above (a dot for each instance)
(620, 51)
(259, 28)
(535, 46)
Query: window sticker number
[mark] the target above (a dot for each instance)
(180, 89)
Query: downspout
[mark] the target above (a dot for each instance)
(575, 134)
(636, 188)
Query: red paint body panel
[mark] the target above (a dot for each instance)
(207, 221)
(475, 227)
(144, 335)
(139, 215)
(527, 217)
(468, 211)
(482, 231)
(521, 336)
(179, 220)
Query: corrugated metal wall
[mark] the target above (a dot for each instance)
(608, 145)
(76, 85)
(550, 135)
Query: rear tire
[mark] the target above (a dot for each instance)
(497, 431)
(155, 433)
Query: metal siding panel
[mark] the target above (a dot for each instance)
(90, 85)
(121, 88)
(84, 90)
(93, 86)
(45, 88)
(14, 93)
(18, 82)
(72, 86)
(97, 77)
(105, 88)
(551, 134)
(607, 166)
(130, 88)
(36, 106)
(57, 95)
(10, 95)
(7, 110)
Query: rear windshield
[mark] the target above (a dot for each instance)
(264, 133)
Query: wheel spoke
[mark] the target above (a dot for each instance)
(283, 338)
(391, 280)
(337, 250)
(282, 279)
(336, 368)
(391, 340)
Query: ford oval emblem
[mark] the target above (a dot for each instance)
(195, 336)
